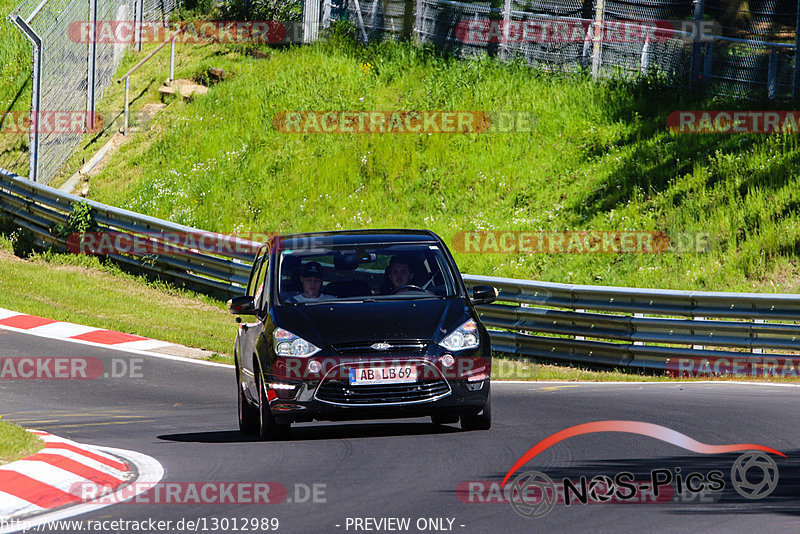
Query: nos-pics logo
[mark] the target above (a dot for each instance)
(533, 494)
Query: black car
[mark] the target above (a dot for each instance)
(360, 325)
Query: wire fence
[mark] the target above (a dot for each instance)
(73, 64)
(727, 47)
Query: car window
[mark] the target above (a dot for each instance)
(401, 271)
(256, 283)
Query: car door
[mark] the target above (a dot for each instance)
(249, 332)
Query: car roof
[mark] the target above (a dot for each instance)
(357, 237)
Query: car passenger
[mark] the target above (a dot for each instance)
(311, 276)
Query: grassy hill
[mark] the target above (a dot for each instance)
(599, 157)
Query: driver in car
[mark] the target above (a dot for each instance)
(311, 276)
(400, 273)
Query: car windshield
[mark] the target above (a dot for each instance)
(371, 272)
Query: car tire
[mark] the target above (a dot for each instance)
(248, 415)
(444, 419)
(268, 428)
(478, 421)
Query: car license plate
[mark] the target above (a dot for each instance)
(392, 374)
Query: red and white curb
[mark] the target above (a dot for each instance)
(52, 484)
(98, 337)
(61, 330)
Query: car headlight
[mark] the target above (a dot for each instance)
(288, 344)
(463, 337)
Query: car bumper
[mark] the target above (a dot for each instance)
(462, 388)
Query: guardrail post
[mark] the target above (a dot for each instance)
(698, 347)
(579, 338)
(752, 350)
(638, 342)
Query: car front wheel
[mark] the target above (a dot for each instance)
(479, 421)
(248, 415)
(268, 428)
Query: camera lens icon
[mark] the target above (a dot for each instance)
(532, 494)
(754, 475)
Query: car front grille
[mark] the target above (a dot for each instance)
(405, 347)
(339, 391)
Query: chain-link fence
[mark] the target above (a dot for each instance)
(72, 65)
(744, 48)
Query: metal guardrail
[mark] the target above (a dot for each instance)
(39, 209)
(594, 325)
(637, 328)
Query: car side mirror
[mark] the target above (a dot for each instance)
(244, 305)
(483, 295)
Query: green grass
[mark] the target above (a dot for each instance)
(80, 290)
(16, 443)
(600, 158)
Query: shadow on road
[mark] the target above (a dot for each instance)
(319, 432)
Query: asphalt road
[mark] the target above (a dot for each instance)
(184, 415)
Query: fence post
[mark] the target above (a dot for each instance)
(36, 93)
(796, 80)
(644, 62)
(310, 21)
(708, 62)
(127, 90)
(598, 36)
(138, 23)
(419, 12)
(506, 28)
(772, 74)
(699, 11)
(92, 57)
(587, 45)
(172, 61)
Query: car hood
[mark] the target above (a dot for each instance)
(353, 322)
